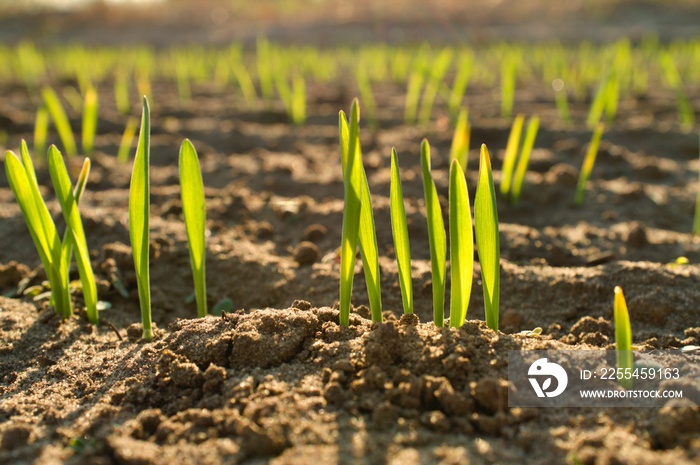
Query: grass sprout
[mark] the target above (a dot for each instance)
(461, 246)
(367, 237)
(487, 238)
(41, 129)
(436, 237)
(399, 229)
(623, 336)
(75, 234)
(127, 139)
(90, 116)
(121, 91)
(139, 208)
(60, 120)
(352, 180)
(588, 163)
(460, 140)
(194, 211)
(511, 153)
(533, 125)
(22, 179)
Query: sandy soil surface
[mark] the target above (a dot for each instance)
(278, 381)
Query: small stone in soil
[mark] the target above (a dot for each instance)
(637, 235)
(315, 232)
(306, 253)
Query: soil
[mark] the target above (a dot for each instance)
(277, 380)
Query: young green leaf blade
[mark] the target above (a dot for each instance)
(461, 246)
(41, 129)
(511, 153)
(437, 237)
(487, 238)
(90, 115)
(127, 140)
(139, 208)
(623, 336)
(44, 236)
(588, 163)
(60, 120)
(58, 269)
(352, 181)
(460, 139)
(524, 158)
(71, 214)
(367, 236)
(399, 229)
(194, 211)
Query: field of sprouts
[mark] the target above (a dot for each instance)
(360, 297)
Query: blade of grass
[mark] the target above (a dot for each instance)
(22, 178)
(90, 114)
(121, 92)
(367, 234)
(511, 153)
(436, 237)
(41, 129)
(399, 229)
(487, 238)
(71, 214)
(623, 336)
(60, 120)
(127, 140)
(524, 158)
(460, 139)
(351, 212)
(461, 246)
(194, 211)
(588, 162)
(139, 209)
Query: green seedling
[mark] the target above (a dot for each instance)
(415, 82)
(60, 120)
(673, 79)
(75, 234)
(436, 74)
(461, 246)
(561, 100)
(511, 153)
(487, 238)
(459, 86)
(460, 139)
(514, 181)
(127, 139)
(264, 68)
(245, 83)
(367, 236)
(436, 237)
(22, 180)
(41, 129)
(139, 207)
(623, 337)
(588, 163)
(509, 69)
(399, 228)
(121, 92)
(364, 85)
(352, 180)
(90, 115)
(605, 101)
(194, 212)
